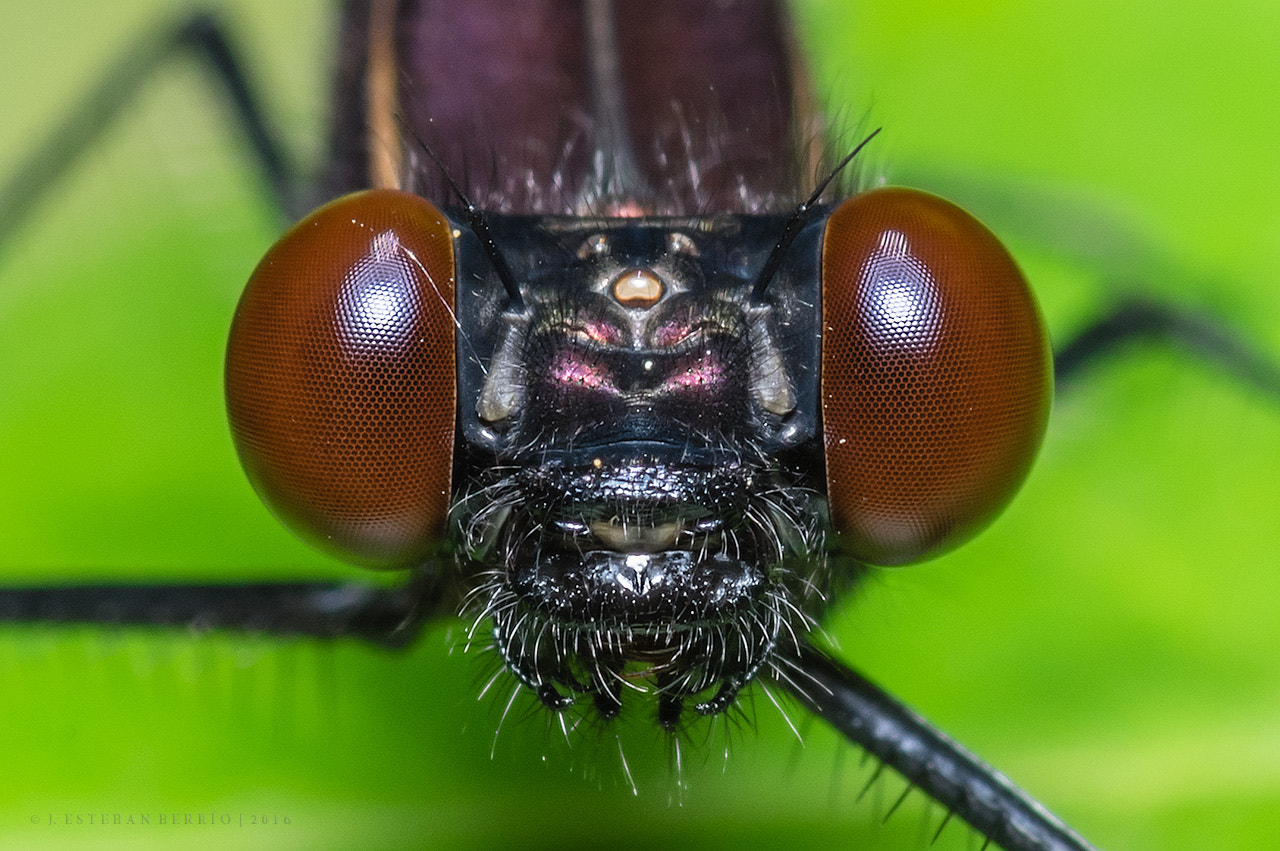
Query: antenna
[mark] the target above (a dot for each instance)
(479, 224)
(796, 221)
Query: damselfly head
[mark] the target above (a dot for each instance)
(638, 455)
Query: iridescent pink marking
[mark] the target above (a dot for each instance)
(672, 333)
(706, 372)
(569, 369)
(598, 331)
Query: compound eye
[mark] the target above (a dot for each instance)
(936, 375)
(340, 377)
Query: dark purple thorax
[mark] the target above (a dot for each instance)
(530, 104)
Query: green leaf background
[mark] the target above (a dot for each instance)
(1112, 643)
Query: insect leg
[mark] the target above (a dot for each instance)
(201, 36)
(1143, 321)
(873, 719)
(390, 616)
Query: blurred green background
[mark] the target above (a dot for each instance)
(1111, 644)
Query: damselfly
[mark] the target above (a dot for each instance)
(1003, 696)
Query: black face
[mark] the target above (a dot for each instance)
(632, 522)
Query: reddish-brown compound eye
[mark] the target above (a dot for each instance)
(341, 377)
(936, 375)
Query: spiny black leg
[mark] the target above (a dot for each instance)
(391, 617)
(606, 686)
(552, 699)
(202, 37)
(873, 719)
(531, 675)
(608, 703)
(725, 695)
(669, 709)
(1135, 322)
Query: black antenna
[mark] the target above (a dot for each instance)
(796, 221)
(479, 224)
